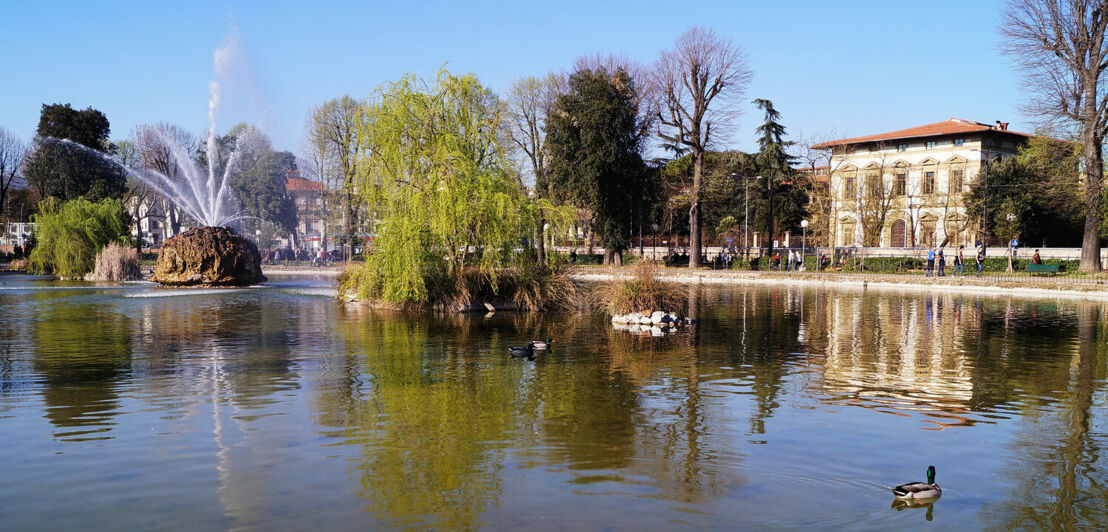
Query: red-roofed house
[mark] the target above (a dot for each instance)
(905, 188)
(308, 196)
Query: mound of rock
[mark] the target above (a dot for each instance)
(655, 322)
(208, 256)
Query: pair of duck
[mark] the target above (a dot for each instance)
(530, 348)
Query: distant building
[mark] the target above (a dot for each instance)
(308, 196)
(905, 188)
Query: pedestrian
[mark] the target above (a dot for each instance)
(723, 258)
(959, 263)
(573, 256)
(1036, 259)
(777, 261)
(820, 266)
(980, 259)
(930, 262)
(942, 263)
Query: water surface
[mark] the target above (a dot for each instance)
(134, 407)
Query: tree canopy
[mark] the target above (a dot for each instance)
(69, 159)
(594, 138)
(445, 203)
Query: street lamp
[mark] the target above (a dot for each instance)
(746, 215)
(654, 248)
(803, 241)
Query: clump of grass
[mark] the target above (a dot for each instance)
(18, 265)
(116, 263)
(641, 292)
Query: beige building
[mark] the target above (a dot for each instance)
(905, 188)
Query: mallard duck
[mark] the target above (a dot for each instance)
(541, 345)
(920, 490)
(525, 351)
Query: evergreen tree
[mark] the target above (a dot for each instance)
(69, 157)
(593, 139)
(785, 199)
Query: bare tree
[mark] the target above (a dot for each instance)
(527, 104)
(12, 152)
(156, 144)
(876, 199)
(831, 158)
(1061, 46)
(334, 127)
(687, 80)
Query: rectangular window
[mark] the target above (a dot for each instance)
(929, 182)
(955, 182)
(930, 144)
(848, 189)
(901, 147)
(959, 142)
(901, 184)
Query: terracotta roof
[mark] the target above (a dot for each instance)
(952, 126)
(299, 184)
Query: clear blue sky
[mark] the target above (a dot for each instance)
(851, 68)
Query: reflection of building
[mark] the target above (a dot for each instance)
(905, 188)
(308, 196)
(899, 355)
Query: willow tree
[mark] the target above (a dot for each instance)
(445, 204)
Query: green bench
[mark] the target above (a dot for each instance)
(1042, 268)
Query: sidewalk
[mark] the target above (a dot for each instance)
(1010, 285)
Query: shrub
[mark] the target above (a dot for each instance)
(643, 291)
(116, 263)
(70, 234)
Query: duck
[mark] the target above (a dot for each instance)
(525, 351)
(920, 490)
(541, 345)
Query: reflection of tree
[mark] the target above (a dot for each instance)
(1059, 485)
(432, 426)
(80, 350)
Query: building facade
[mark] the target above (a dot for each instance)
(907, 188)
(308, 196)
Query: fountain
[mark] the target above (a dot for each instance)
(211, 255)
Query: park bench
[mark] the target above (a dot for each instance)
(1042, 268)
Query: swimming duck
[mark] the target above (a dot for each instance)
(526, 351)
(541, 345)
(920, 490)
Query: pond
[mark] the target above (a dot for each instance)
(135, 407)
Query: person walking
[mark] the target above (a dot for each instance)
(777, 261)
(980, 259)
(942, 263)
(959, 263)
(930, 262)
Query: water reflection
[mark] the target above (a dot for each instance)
(782, 407)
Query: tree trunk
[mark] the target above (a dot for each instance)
(542, 239)
(769, 223)
(348, 224)
(694, 211)
(1094, 174)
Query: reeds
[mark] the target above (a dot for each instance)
(116, 263)
(643, 291)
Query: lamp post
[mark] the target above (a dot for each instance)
(654, 248)
(803, 241)
(746, 215)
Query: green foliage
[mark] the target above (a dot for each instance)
(722, 192)
(68, 171)
(447, 208)
(1041, 190)
(593, 139)
(88, 127)
(784, 196)
(70, 234)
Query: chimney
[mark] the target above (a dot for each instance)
(1001, 126)
(997, 125)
